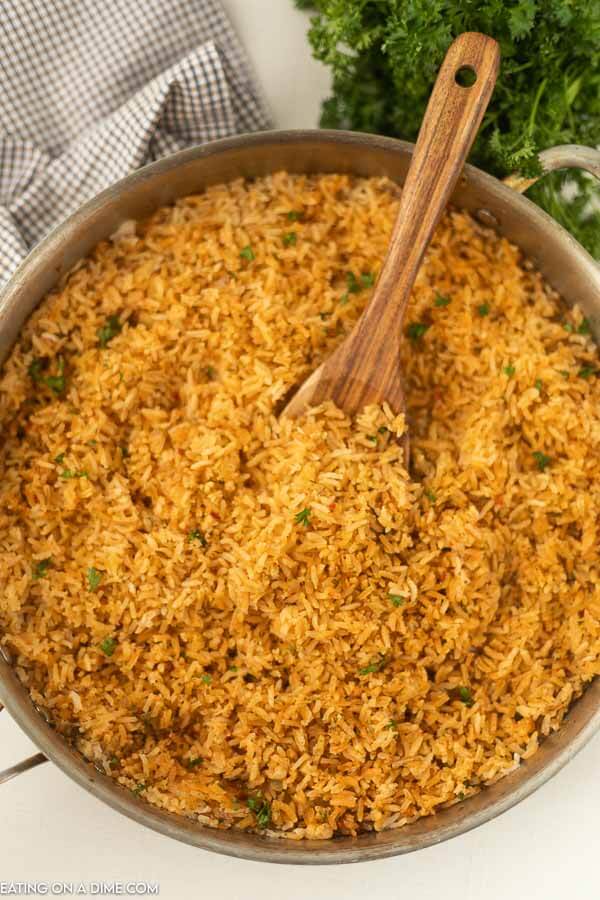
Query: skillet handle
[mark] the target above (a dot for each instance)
(565, 156)
(22, 766)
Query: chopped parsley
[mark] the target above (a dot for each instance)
(35, 368)
(294, 215)
(541, 459)
(568, 327)
(372, 438)
(57, 383)
(509, 370)
(247, 253)
(137, 790)
(397, 599)
(430, 496)
(59, 458)
(416, 330)
(367, 279)
(303, 517)
(108, 646)
(586, 371)
(376, 666)
(67, 474)
(111, 328)
(124, 451)
(195, 762)
(197, 535)
(584, 327)
(354, 285)
(261, 809)
(211, 373)
(564, 373)
(206, 678)
(392, 725)
(40, 570)
(94, 577)
(289, 239)
(483, 309)
(538, 385)
(383, 429)
(461, 795)
(465, 696)
(440, 300)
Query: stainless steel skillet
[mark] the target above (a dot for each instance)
(560, 258)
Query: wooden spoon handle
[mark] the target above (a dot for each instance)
(365, 368)
(451, 122)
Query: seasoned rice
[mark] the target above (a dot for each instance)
(268, 624)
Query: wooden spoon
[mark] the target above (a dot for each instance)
(365, 368)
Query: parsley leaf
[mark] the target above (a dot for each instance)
(541, 459)
(247, 253)
(57, 383)
(194, 762)
(289, 239)
(39, 365)
(303, 517)
(108, 646)
(383, 57)
(586, 371)
(197, 535)
(375, 666)
(367, 279)
(294, 215)
(441, 301)
(416, 330)
(483, 309)
(111, 328)
(36, 367)
(354, 285)
(584, 327)
(40, 570)
(397, 599)
(67, 474)
(94, 577)
(465, 696)
(261, 809)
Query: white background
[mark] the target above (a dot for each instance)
(52, 830)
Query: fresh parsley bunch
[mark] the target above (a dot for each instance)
(384, 56)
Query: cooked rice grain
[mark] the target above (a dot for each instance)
(267, 624)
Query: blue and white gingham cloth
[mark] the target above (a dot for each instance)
(92, 89)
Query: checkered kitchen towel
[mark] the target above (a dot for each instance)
(92, 89)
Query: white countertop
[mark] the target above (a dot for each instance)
(51, 830)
